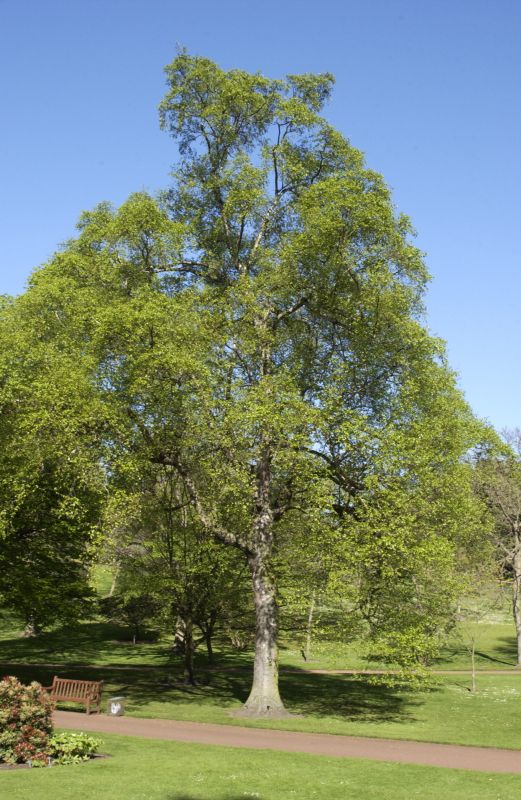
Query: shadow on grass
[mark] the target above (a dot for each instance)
(342, 697)
(82, 643)
(488, 657)
(151, 678)
(337, 696)
(508, 649)
(98, 643)
(504, 652)
(347, 697)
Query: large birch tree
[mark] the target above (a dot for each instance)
(258, 332)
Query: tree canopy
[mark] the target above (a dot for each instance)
(257, 332)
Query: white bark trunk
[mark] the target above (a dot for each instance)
(264, 699)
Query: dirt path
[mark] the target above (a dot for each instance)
(482, 759)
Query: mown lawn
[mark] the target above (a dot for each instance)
(140, 769)
(151, 680)
(338, 704)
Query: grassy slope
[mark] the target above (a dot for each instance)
(156, 770)
(102, 644)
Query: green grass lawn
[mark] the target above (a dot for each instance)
(150, 679)
(349, 706)
(102, 643)
(141, 769)
(338, 704)
(495, 649)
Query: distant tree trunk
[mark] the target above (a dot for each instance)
(473, 662)
(179, 637)
(310, 626)
(207, 628)
(189, 652)
(31, 628)
(209, 648)
(516, 600)
(114, 579)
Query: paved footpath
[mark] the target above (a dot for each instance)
(482, 759)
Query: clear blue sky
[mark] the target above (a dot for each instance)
(428, 89)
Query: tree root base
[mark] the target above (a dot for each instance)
(264, 712)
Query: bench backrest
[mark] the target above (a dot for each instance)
(68, 689)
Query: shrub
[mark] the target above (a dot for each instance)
(72, 748)
(25, 722)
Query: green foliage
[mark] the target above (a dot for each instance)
(497, 478)
(169, 571)
(25, 722)
(498, 482)
(50, 485)
(72, 748)
(45, 554)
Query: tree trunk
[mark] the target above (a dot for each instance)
(209, 648)
(516, 601)
(31, 629)
(189, 653)
(207, 629)
(114, 579)
(310, 627)
(264, 699)
(473, 662)
(178, 646)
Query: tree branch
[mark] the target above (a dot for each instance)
(216, 530)
(291, 310)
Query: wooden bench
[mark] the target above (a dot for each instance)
(71, 691)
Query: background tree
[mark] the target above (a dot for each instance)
(482, 595)
(135, 608)
(498, 477)
(190, 586)
(51, 488)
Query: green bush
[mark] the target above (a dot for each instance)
(72, 748)
(25, 722)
